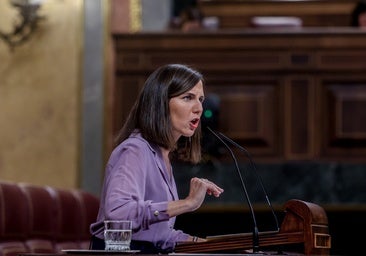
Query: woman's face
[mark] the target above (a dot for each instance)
(186, 110)
(362, 20)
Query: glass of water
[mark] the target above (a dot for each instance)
(117, 235)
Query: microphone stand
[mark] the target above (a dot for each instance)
(256, 173)
(255, 227)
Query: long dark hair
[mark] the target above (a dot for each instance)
(359, 8)
(150, 114)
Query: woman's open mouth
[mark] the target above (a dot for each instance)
(194, 123)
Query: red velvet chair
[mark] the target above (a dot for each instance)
(43, 218)
(70, 220)
(14, 220)
(90, 207)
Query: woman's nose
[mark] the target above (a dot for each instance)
(198, 108)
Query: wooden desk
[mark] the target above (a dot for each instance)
(305, 225)
(102, 253)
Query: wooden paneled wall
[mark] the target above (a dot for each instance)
(285, 95)
(313, 13)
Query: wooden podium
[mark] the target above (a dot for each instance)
(305, 227)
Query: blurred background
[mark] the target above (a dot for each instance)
(285, 79)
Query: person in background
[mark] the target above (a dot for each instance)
(190, 19)
(164, 124)
(178, 8)
(359, 15)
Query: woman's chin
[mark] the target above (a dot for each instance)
(189, 133)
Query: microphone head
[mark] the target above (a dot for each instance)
(210, 144)
(211, 107)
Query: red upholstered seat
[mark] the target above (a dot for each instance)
(43, 218)
(14, 219)
(70, 220)
(90, 207)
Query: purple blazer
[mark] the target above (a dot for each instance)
(137, 187)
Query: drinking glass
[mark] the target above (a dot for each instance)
(117, 235)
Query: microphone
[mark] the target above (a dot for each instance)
(255, 227)
(254, 169)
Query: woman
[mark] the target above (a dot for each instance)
(139, 183)
(358, 17)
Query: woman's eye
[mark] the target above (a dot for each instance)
(188, 97)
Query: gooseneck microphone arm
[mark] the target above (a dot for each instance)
(255, 227)
(254, 168)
